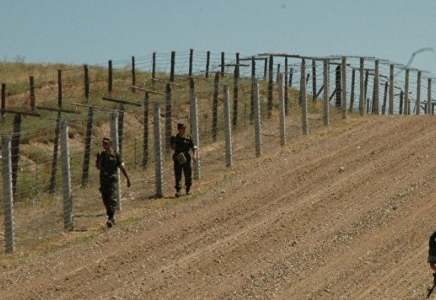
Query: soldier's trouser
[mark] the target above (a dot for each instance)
(187, 172)
(109, 195)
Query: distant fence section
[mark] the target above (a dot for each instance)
(236, 107)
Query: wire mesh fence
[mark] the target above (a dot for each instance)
(287, 95)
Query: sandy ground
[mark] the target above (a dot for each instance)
(344, 213)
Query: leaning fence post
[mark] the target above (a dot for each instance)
(158, 151)
(376, 101)
(66, 177)
(429, 103)
(344, 87)
(326, 92)
(228, 128)
(282, 111)
(7, 193)
(114, 137)
(406, 93)
(256, 117)
(87, 152)
(303, 97)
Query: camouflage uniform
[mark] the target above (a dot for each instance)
(182, 144)
(110, 162)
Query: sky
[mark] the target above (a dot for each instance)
(94, 31)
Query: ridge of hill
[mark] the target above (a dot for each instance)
(343, 213)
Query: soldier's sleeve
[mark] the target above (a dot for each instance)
(120, 162)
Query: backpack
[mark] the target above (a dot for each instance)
(432, 248)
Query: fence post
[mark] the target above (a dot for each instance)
(282, 111)
(145, 132)
(86, 71)
(168, 116)
(326, 91)
(303, 97)
(32, 93)
(391, 89)
(256, 117)
(194, 133)
(66, 177)
(353, 80)
(59, 88)
(54, 167)
(153, 67)
(173, 65)
(362, 96)
(286, 86)
(158, 151)
(406, 93)
(270, 85)
(115, 140)
(7, 194)
(110, 77)
(15, 151)
(133, 74)
(429, 103)
(223, 62)
(121, 111)
(418, 93)
(191, 60)
(3, 101)
(87, 154)
(313, 80)
(236, 91)
(215, 107)
(207, 64)
(228, 128)
(344, 87)
(376, 101)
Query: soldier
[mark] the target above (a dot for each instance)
(182, 144)
(107, 162)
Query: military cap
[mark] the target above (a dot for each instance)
(107, 140)
(180, 125)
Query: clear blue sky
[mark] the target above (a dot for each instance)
(94, 31)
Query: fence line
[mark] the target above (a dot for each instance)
(191, 95)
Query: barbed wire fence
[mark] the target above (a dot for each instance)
(237, 107)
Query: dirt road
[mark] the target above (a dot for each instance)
(344, 213)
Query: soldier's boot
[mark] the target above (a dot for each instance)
(188, 190)
(178, 194)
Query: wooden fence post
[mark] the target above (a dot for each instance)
(418, 93)
(391, 89)
(133, 74)
(338, 89)
(223, 62)
(191, 60)
(3, 102)
(87, 152)
(228, 128)
(86, 75)
(376, 100)
(173, 65)
(207, 64)
(66, 178)
(344, 87)
(429, 102)
(270, 85)
(353, 80)
(303, 98)
(286, 86)
(121, 112)
(194, 133)
(168, 118)
(15, 151)
(282, 122)
(115, 146)
(145, 132)
(110, 77)
(326, 91)
(158, 151)
(215, 107)
(153, 68)
(236, 91)
(257, 119)
(314, 80)
(54, 167)
(406, 93)
(8, 195)
(32, 93)
(60, 88)
(362, 96)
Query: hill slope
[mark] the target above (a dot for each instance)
(343, 213)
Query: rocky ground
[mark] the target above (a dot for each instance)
(344, 213)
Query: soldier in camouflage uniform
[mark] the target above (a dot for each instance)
(182, 143)
(108, 161)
